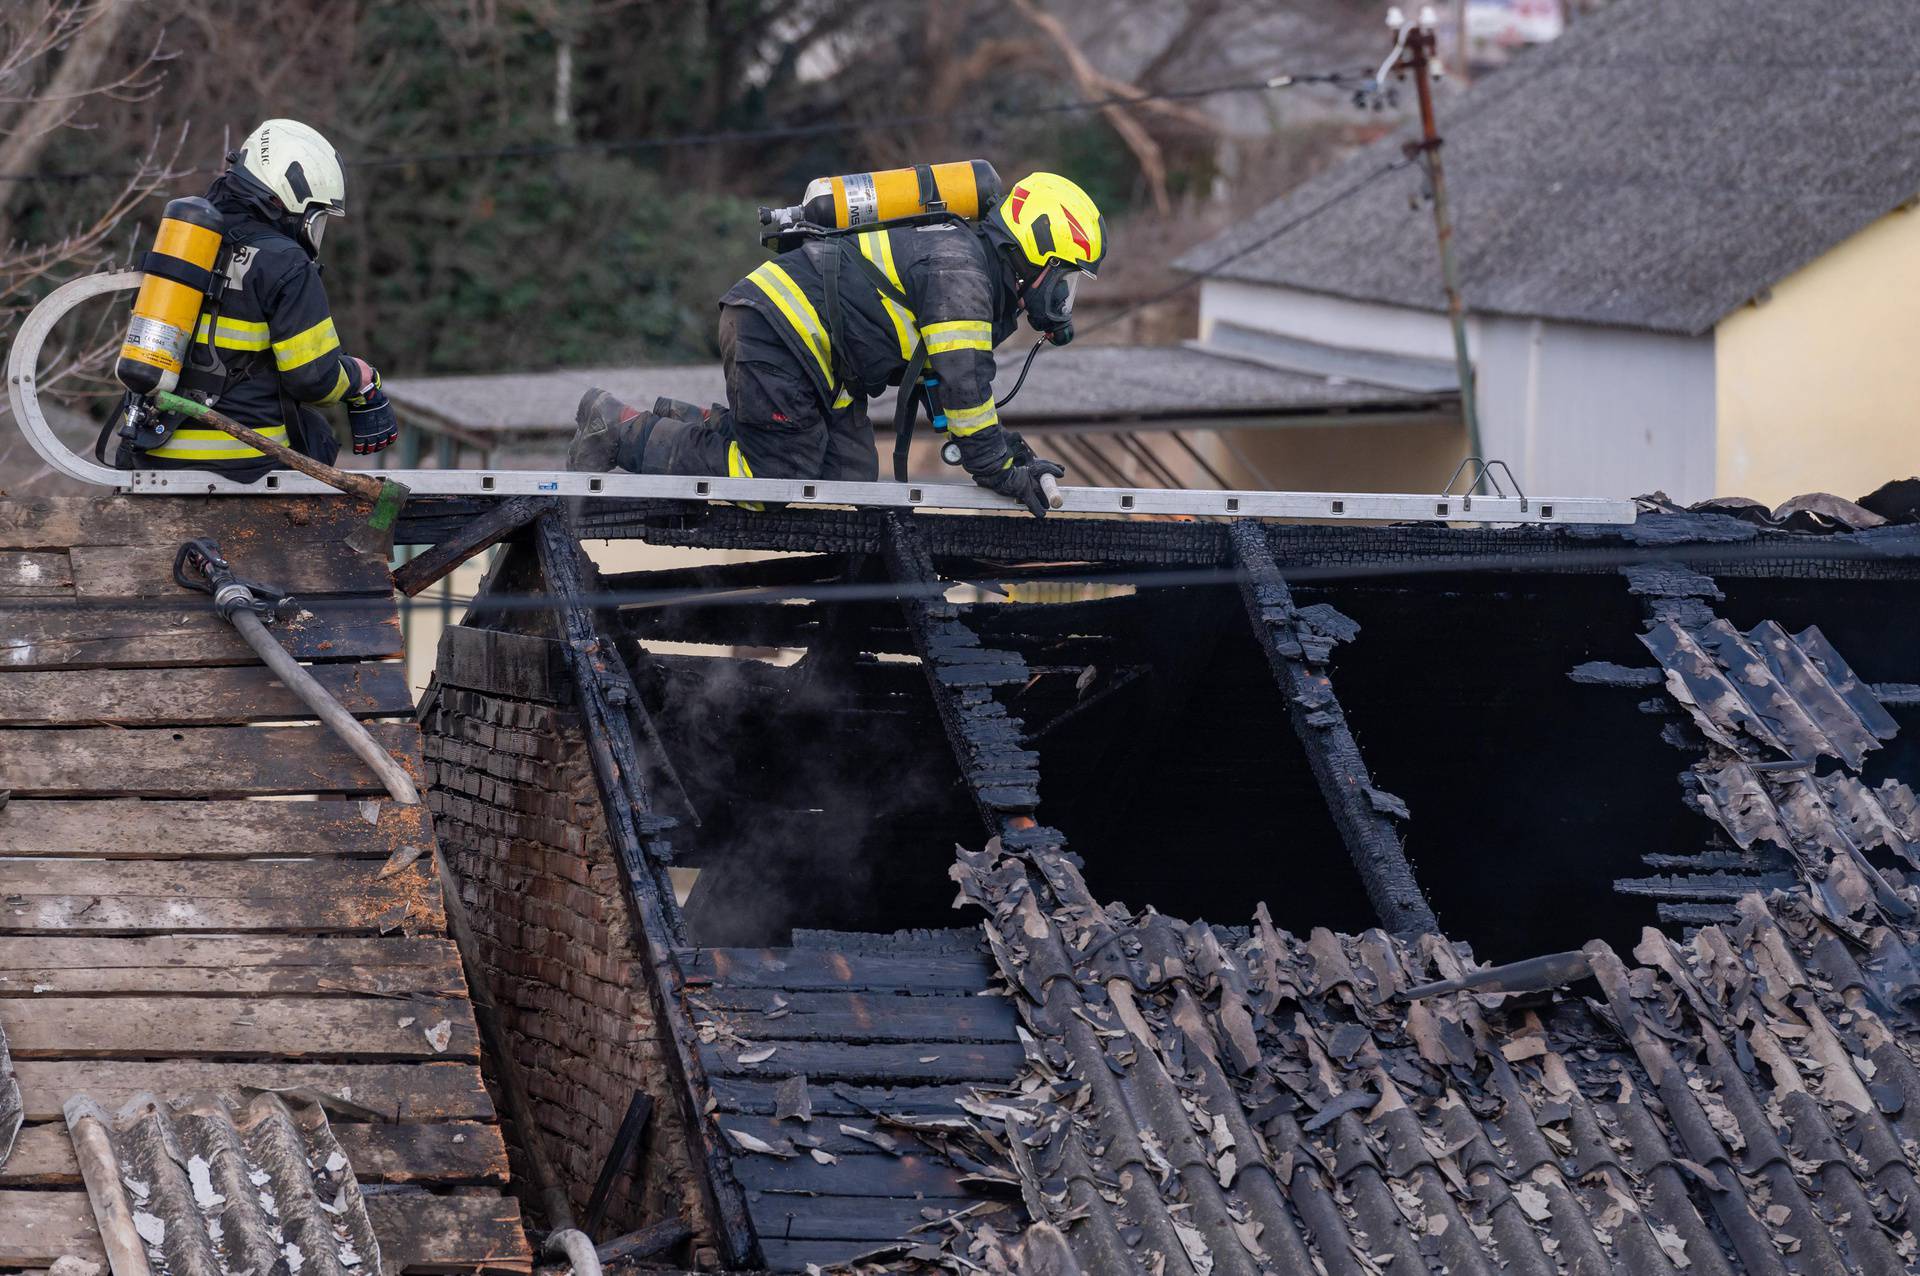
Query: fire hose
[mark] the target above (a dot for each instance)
(250, 607)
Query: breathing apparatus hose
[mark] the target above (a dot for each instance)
(1022, 378)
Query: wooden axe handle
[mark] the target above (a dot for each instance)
(364, 486)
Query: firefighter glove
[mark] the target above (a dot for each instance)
(1022, 482)
(368, 411)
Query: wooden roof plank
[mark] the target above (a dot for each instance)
(35, 574)
(427, 1091)
(193, 697)
(194, 761)
(127, 829)
(145, 570)
(802, 968)
(229, 965)
(886, 1064)
(139, 633)
(173, 896)
(372, 1028)
(236, 522)
(878, 1017)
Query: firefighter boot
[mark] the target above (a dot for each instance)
(601, 422)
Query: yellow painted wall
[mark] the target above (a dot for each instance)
(1819, 386)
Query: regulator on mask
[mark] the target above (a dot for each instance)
(1048, 300)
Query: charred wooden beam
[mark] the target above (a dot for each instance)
(807, 569)
(1003, 777)
(1297, 646)
(607, 700)
(486, 530)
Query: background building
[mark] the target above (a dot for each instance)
(1686, 244)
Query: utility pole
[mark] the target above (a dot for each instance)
(1419, 55)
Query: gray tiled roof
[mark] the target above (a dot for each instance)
(1657, 167)
(1074, 384)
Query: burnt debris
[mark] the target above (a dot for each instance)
(1346, 722)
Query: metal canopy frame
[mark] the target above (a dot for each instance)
(22, 391)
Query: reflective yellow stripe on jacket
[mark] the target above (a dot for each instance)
(770, 278)
(234, 334)
(191, 444)
(303, 348)
(958, 334)
(964, 421)
(877, 247)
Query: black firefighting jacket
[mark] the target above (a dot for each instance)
(953, 295)
(274, 333)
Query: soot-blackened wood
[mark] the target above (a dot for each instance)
(854, 1017)
(1297, 655)
(654, 1238)
(762, 1098)
(615, 755)
(193, 697)
(800, 968)
(485, 531)
(503, 664)
(806, 569)
(868, 1063)
(632, 1126)
(962, 675)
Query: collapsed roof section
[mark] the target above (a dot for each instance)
(1225, 713)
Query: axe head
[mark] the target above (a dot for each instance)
(375, 536)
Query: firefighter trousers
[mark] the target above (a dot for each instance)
(778, 424)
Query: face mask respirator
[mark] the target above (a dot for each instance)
(1049, 301)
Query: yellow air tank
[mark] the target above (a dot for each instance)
(178, 271)
(966, 188)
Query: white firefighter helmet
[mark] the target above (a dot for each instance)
(300, 168)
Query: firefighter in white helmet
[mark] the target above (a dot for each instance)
(266, 351)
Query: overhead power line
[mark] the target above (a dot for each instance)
(782, 132)
(1212, 269)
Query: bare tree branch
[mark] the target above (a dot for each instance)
(73, 82)
(1146, 151)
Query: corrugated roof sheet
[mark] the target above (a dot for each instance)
(231, 1185)
(1770, 707)
(1199, 1101)
(1658, 166)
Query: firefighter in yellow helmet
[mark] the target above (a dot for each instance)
(809, 336)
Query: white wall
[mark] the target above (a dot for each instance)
(1576, 410)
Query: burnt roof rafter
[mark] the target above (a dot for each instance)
(1297, 644)
(962, 673)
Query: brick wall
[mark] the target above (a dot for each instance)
(519, 818)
